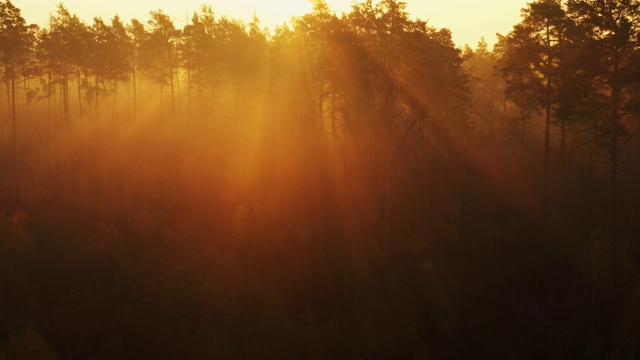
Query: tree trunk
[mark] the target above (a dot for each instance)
(172, 85)
(68, 130)
(333, 112)
(188, 95)
(65, 99)
(162, 77)
(523, 134)
(90, 111)
(14, 140)
(114, 93)
(563, 152)
(29, 130)
(135, 89)
(8, 86)
(547, 138)
(200, 107)
(79, 96)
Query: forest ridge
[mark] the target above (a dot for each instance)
(349, 186)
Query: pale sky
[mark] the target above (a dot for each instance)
(467, 19)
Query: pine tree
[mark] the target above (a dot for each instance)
(17, 41)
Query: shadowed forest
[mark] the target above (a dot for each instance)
(344, 186)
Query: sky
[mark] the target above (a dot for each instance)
(469, 20)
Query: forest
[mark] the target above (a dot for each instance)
(344, 186)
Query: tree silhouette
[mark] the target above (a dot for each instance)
(109, 62)
(137, 35)
(533, 53)
(160, 55)
(63, 44)
(200, 58)
(16, 44)
(612, 38)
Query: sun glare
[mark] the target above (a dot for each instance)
(468, 20)
(270, 13)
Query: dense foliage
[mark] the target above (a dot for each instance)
(348, 186)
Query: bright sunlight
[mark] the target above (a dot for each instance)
(469, 20)
(195, 182)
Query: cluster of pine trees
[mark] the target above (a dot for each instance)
(345, 185)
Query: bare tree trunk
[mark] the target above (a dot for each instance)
(30, 131)
(178, 92)
(613, 174)
(188, 94)
(68, 129)
(135, 89)
(563, 152)
(110, 116)
(90, 111)
(53, 131)
(8, 86)
(333, 113)
(65, 100)
(79, 96)
(14, 140)
(114, 93)
(200, 108)
(611, 290)
(162, 74)
(547, 140)
(172, 85)
(523, 135)
(2, 97)
(321, 109)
